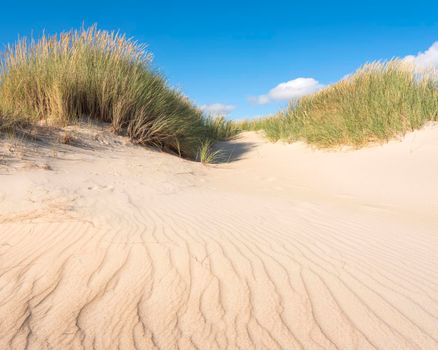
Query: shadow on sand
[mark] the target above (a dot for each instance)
(231, 151)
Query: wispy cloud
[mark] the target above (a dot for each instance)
(288, 90)
(217, 109)
(425, 60)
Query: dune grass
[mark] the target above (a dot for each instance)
(207, 153)
(108, 77)
(104, 76)
(270, 125)
(375, 104)
(220, 128)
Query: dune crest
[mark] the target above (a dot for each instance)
(105, 245)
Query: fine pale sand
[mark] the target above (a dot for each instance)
(107, 245)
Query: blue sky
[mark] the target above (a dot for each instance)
(232, 53)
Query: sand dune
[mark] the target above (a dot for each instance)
(105, 245)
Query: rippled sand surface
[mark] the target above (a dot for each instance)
(105, 245)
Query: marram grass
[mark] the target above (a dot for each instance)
(378, 102)
(104, 76)
(207, 153)
(219, 128)
(270, 125)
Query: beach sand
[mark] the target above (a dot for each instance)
(108, 245)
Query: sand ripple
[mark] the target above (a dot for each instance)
(152, 252)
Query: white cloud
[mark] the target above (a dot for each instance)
(425, 60)
(217, 109)
(291, 89)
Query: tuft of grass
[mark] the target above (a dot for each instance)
(207, 154)
(378, 102)
(104, 76)
(270, 126)
(218, 128)
(9, 122)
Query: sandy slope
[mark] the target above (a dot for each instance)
(104, 245)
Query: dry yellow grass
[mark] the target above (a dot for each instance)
(378, 102)
(104, 76)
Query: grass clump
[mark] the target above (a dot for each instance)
(207, 154)
(218, 128)
(104, 76)
(271, 126)
(378, 102)
(10, 121)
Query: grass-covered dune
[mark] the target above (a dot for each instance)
(104, 76)
(376, 103)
